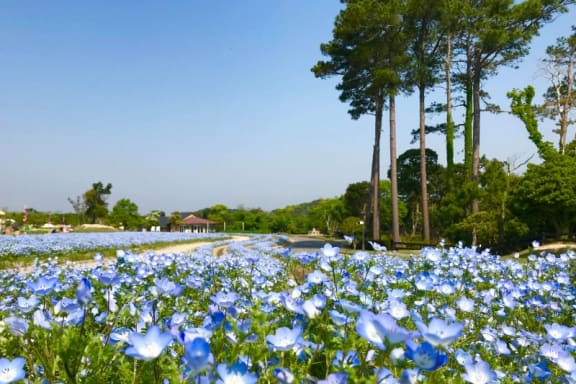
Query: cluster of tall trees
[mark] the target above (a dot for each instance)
(383, 49)
(92, 207)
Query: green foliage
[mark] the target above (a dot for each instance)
(152, 219)
(249, 220)
(494, 34)
(327, 214)
(409, 187)
(37, 218)
(219, 213)
(560, 97)
(95, 201)
(282, 221)
(521, 104)
(125, 214)
(79, 206)
(175, 218)
(546, 195)
(356, 198)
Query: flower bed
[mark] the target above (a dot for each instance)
(62, 243)
(264, 314)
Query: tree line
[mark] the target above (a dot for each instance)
(515, 208)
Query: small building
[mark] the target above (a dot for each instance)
(195, 224)
(188, 223)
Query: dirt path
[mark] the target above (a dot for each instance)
(556, 246)
(189, 247)
(182, 248)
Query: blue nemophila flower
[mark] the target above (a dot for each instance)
(377, 247)
(190, 334)
(148, 346)
(12, 370)
(423, 281)
(65, 305)
(225, 300)
(439, 332)
(425, 356)
(539, 370)
(108, 277)
(447, 287)
(285, 338)
(566, 361)
(335, 378)
(329, 251)
(338, 318)
(384, 376)
(410, 376)
(360, 258)
(120, 335)
(42, 319)
(27, 304)
(197, 355)
(313, 306)
(501, 347)
(43, 286)
(283, 375)
(465, 304)
(376, 328)
(558, 332)
(370, 329)
(236, 374)
(316, 277)
(478, 373)
(343, 361)
(397, 355)
(166, 287)
(75, 317)
(398, 309)
(215, 320)
(291, 304)
(309, 309)
(350, 306)
(84, 291)
(16, 325)
(550, 351)
(349, 239)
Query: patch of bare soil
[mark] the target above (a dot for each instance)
(557, 245)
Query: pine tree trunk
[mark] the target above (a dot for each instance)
(567, 103)
(423, 173)
(468, 120)
(394, 173)
(476, 127)
(449, 121)
(375, 178)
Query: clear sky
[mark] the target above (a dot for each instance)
(185, 104)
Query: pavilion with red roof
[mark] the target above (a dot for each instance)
(196, 224)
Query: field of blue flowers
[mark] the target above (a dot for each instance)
(62, 243)
(262, 313)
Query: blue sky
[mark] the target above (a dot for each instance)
(185, 104)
